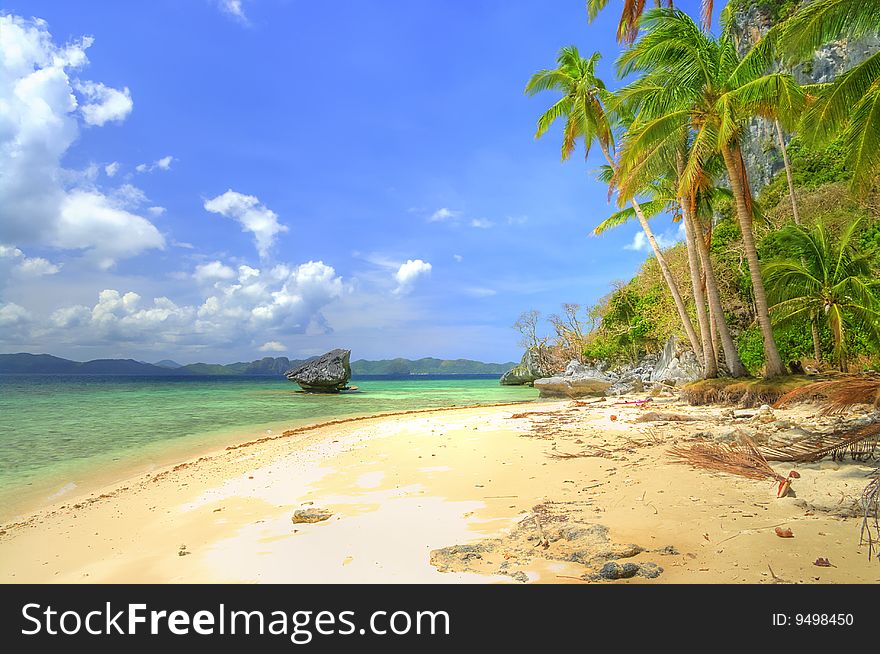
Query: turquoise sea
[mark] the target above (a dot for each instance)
(58, 433)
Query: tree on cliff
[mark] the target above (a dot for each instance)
(696, 90)
(849, 106)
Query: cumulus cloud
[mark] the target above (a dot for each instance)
(12, 316)
(443, 214)
(41, 203)
(272, 346)
(234, 9)
(213, 272)
(458, 258)
(14, 260)
(111, 169)
(160, 164)
(668, 239)
(253, 216)
(246, 302)
(91, 221)
(481, 223)
(156, 211)
(408, 273)
(103, 104)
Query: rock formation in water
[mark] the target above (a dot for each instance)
(329, 373)
(528, 370)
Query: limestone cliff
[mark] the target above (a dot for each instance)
(751, 20)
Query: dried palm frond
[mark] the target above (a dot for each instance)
(744, 460)
(837, 395)
(870, 534)
(861, 443)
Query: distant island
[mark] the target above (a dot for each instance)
(24, 363)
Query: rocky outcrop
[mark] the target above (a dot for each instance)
(329, 373)
(529, 369)
(578, 380)
(761, 144)
(676, 366)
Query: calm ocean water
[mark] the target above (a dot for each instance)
(58, 431)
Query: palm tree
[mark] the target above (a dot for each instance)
(849, 106)
(823, 277)
(582, 107)
(695, 89)
(628, 28)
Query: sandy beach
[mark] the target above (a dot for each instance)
(475, 495)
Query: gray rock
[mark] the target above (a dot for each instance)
(528, 370)
(760, 144)
(309, 516)
(329, 373)
(612, 570)
(676, 367)
(581, 385)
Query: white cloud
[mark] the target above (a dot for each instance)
(233, 8)
(481, 223)
(41, 203)
(480, 291)
(254, 217)
(111, 169)
(458, 258)
(272, 346)
(161, 164)
(12, 315)
(104, 104)
(664, 240)
(443, 214)
(156, 211)
(90, 221)
(408, 273)
(245, 303)
(212, 272)
(23, 266)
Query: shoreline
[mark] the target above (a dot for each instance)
(451, 495)
(99, 482)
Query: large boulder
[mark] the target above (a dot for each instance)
(329, 373)
(676, 366)
(528, 370)
(578, 380)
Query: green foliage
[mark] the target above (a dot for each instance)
(776, 10)
(812, 167)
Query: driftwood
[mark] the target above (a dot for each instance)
(654, 416)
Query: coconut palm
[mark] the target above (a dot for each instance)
(628, 28)
(823, 277)
(696, 93)
(582, 108)
(849, 106)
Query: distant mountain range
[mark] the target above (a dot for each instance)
(268, 366)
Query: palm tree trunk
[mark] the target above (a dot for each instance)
(794, 208)
(710, 362)
(817, 350)
(664, 268)
(738, 180)
(836, 322)
(731, 355)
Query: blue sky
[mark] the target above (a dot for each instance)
(219, 181)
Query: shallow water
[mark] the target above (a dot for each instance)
(58, 430)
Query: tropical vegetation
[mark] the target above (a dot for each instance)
(768, 275)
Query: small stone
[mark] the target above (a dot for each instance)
(310, 515)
